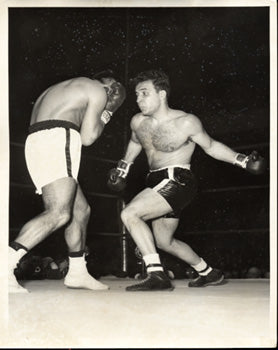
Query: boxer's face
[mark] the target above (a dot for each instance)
(148, 99)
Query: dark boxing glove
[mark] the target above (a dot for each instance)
(115, 97)
(254, 163)
(117, 176)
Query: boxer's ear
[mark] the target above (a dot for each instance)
(163, 94)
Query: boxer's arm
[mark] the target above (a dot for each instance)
(133, 149)
(134, 146)
(117, 176)
(93, 123)
(253, 163)
(213, 148)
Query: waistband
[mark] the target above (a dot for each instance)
(184, 166)
(50, 124)
(170, 172)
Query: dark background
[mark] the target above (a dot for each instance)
(218, 63)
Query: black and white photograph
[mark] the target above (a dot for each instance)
(138, 155)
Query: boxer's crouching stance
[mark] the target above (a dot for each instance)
(65, 117)
(169, 138)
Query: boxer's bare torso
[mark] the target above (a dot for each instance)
(69, 100)
(79, 100)
(166, 142)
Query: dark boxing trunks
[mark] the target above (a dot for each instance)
(177, 185)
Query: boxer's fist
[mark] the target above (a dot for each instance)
(254, 163)
(116, 97)
(115, 181)
(117, 176)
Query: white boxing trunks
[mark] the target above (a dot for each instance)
(52, 151)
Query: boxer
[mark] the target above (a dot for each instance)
(65, 117)
(168, 137)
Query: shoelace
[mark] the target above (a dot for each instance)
(144, 281)
(197, 278)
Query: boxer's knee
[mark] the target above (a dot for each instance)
(59, 216)
(163, 243)
(82, 214)
(129, 214)
(85, 213)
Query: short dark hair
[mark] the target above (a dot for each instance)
(158, 77)
(108, 73)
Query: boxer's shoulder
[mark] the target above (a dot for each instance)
(136, 120)
(185, 120)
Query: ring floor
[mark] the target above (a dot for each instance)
(234, 314)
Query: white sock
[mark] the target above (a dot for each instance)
(151, 259)
(77, 265)
(79, 277)
(14, 257)
(202, 268)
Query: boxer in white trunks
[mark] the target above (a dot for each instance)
(66, 116)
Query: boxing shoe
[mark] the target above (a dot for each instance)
(14, 257)
(213, 278)
(156, 280)
(78, 276)
(84, 281)
(14, 286)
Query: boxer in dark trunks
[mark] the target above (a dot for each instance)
(65, 117)
(169, 138)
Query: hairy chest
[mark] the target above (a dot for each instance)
(164, 137)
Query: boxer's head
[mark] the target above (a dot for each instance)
(152, 90)
(116, 93)
(159, 79)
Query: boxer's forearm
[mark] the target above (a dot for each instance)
(221, 152)
(132, 151)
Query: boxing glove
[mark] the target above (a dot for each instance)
(116, 97)
(117, 176)
(114, 100)
(254, 163)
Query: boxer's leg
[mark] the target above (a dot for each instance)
(76, 230)
(163, 230)
(58, 199)
(147, 205)
(75, 236)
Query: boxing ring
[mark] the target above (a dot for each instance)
(234, 314)
(238, 313)
(231, 315)
(21, 186)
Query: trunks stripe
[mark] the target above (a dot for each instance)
(67, 151)
(161, 185)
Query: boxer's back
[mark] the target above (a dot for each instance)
(67, 100)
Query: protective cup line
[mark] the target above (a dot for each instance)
(67, 152)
